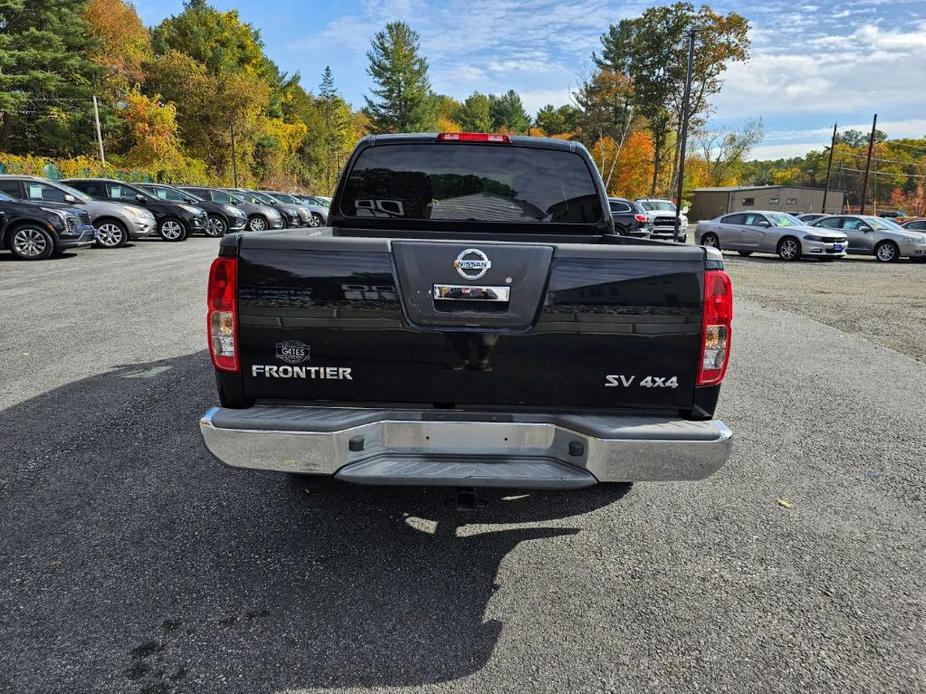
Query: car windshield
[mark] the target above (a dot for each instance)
(193, 194)
(247, 197)
(282, 197)
(460, 183)
(779, 219)
(657, 206)
(265, 199)
(879, 224)
(140, 191)
(83, 197)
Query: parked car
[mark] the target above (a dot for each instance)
(289, 217)
(39, 230)
(629, 218)
(313, 199)
(869, 235)
(175, 221)
(522, 351)
(318, 213)
(810, 217)
(770, 232)
(260, 217)
(223, 218)
(892, 214)
(293, 215)
(915, 225)
(662, 216)
(116, 223)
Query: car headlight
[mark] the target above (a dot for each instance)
(190, 209)
(137, 212)
(821, 239)
(60, 214)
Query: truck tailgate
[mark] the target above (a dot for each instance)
(430, 323)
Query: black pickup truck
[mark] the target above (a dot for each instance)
(468, 319)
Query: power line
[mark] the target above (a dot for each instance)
(882, 173)
(894, 143)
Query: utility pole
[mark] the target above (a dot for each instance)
(683, 147)
(871, 144)
(829, 169)
(234, 155)
(99, 132)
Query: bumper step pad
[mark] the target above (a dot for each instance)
(539, 473)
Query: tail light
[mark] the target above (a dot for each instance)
(642, 218)
(473, 137)
(715, 328)
(222, 320)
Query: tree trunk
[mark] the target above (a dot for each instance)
(6, 121)
(657, 160)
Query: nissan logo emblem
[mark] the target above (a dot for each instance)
(472, 264)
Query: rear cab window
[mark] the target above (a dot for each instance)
(454, 183)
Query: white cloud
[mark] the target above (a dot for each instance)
(871, 68)
(796, 149)
(782, 144)
(536, 99)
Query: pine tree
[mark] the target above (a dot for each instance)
(334, 126)
(475, 115)
(326, 89)
(46, 77)
(402, 100)
(508, 113)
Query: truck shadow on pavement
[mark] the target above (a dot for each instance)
(141, 564)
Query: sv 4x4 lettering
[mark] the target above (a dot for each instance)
(622, 381)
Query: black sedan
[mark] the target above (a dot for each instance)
(39, 230)
(175, 220)
(630, 218)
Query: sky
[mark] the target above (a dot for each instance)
(812, 63)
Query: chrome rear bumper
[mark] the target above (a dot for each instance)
(452, 448)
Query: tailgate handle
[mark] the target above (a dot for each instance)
(462, 292)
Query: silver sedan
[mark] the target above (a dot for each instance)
(771, 232)
(884, 239)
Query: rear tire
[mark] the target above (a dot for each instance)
(111, 234)
(172, 229)
(711, 240)
(887, 252)
(789, 249)
(745, 254)
(620, 230)
(216, 226)
(316, 220)
(31, 242)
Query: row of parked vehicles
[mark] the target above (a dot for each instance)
(40, 217)
(649, 218)
(815, 235)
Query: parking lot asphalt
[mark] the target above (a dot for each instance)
(132, 562)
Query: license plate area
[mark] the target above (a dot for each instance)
(478, 438)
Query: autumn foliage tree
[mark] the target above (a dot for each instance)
(122, 44)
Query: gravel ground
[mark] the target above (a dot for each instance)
(134, 563)
(885, 304)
